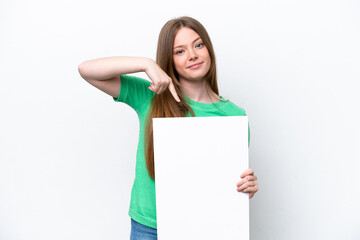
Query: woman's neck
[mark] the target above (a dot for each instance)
(196, 91)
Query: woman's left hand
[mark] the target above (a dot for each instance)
(248, 183)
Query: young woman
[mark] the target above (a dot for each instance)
(184, 84)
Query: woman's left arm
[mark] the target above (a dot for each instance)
(248, 183)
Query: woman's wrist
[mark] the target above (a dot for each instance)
(148, 63)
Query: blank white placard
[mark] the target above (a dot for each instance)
(198, 161)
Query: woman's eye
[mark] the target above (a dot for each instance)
(197, 45)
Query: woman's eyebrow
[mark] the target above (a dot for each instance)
(192, 42)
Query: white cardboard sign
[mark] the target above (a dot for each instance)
(198, 161)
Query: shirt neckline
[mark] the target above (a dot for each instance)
(193, 103)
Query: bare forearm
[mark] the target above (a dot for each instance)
(108, 67)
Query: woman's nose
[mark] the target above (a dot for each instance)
(192, 54)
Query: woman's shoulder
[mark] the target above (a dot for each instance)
(134, 91)
(233, 108)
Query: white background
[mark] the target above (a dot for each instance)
(67, 151)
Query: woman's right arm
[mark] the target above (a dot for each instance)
(104, 73)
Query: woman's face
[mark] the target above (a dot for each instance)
(189, 50)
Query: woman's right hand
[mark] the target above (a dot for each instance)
(160, 80)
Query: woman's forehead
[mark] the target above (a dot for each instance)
(185, 36)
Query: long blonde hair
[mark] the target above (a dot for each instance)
(164, 104)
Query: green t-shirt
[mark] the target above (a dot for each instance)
(135, 93)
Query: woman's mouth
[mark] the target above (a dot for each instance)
(196, 65)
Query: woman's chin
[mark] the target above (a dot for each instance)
(195, 77)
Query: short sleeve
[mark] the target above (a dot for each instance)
(134, 91)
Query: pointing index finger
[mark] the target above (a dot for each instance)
(173, 92)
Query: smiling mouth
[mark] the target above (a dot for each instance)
(195, 65)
